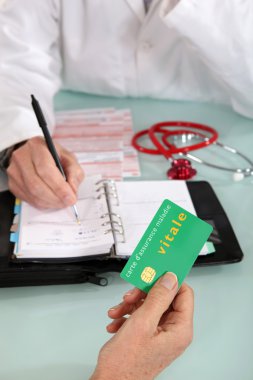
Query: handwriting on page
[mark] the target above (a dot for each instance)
(64, 236)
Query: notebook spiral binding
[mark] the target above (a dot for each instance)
(107, 188)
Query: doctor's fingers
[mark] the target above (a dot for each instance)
(22, 194)
(72, 169)
(34, 156)
(33, 190)
(51, 176)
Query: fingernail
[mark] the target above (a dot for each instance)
(129, 293)
(68, 200)
(169, 280)
(115, 307)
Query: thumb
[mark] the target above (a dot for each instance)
(159, 298)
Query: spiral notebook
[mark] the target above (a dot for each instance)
(113, 215)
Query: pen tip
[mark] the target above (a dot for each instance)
(76, 214)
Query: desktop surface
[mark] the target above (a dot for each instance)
(55, 332)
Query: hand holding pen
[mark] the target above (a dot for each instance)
(43, 125)
(34, 177)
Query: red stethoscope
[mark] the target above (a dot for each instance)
(197, 136)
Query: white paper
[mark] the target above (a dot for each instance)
(55, 233)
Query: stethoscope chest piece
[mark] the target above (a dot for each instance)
(181, 169)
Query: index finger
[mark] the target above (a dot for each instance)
(131, 301)
(52, 177)
(72, 168)
(134, 296)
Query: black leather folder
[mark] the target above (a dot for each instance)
(13, 273)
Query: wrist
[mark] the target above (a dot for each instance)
(5, 155)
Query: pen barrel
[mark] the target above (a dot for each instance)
(43, 125)
(52, 150)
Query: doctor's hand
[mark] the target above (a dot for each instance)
(34, 177)
(159, 329)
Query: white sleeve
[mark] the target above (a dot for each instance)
(220, 32)
(29, 64)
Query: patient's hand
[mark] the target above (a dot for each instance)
(159, 329)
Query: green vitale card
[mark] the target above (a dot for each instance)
(171, 243)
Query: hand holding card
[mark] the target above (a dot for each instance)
(171, 243)
(159, 329)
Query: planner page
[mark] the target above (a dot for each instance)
(56, 233)
(137, 204)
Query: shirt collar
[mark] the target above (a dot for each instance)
(138, 7)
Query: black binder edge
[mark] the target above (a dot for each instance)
(209, 208)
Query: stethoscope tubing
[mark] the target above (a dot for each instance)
(162, 128)
(167, 149)
(246, 171)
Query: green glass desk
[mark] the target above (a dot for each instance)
(55, 332)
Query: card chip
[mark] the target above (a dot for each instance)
(148, 275)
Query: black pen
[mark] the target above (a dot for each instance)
(43, 125)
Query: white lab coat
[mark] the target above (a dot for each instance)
(198, 50)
